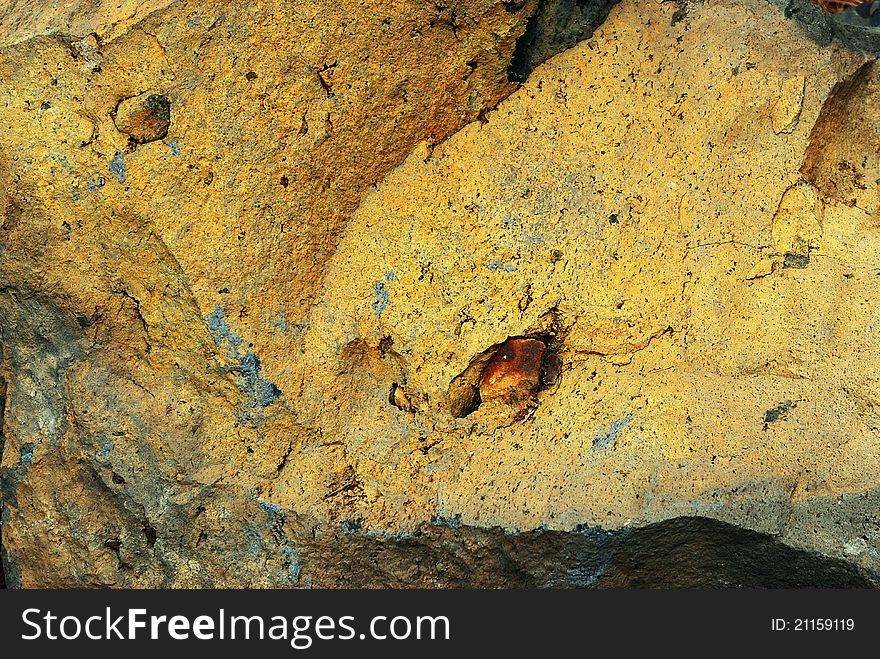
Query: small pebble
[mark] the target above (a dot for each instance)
(144, 118)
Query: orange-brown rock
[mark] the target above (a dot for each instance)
(144, 118)
(514, 374)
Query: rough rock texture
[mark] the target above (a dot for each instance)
(622, 201)
(130, 273)
(22, 19)
(556, 26)
(215, 374)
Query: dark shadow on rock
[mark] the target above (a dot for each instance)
(556, 26)
(2, 445)
(686, 552)
(821, 28)
(695, 552)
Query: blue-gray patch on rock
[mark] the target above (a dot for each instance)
(380, 298)
(260, 391)
(256, 546)
(779, 412)
(219, 329)
(351, 526)
(280, 322)
(269, 507)
(98, 182)
(606, 438)
(117, 167)
(106, 447)
(495, 266)
(291, 560)
(453, 522)
(26, 453)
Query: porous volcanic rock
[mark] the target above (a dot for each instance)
(227, 361)
(148, 289)
(657, 201)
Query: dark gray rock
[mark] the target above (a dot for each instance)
(557, 25)
(846, 27)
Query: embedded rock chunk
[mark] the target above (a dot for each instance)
(144, 118)
(514, 372)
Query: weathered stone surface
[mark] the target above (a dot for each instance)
(626, 201)
(147, 288)
(20, 21)
(224, 365)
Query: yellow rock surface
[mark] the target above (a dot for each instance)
(151, 292)
(622, 200)
(229, 331)
(20, 21)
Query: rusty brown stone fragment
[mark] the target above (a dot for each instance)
(513, 375)
(144, 118)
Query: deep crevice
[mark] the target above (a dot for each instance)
(557, 25)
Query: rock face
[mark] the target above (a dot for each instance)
(227, 361)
